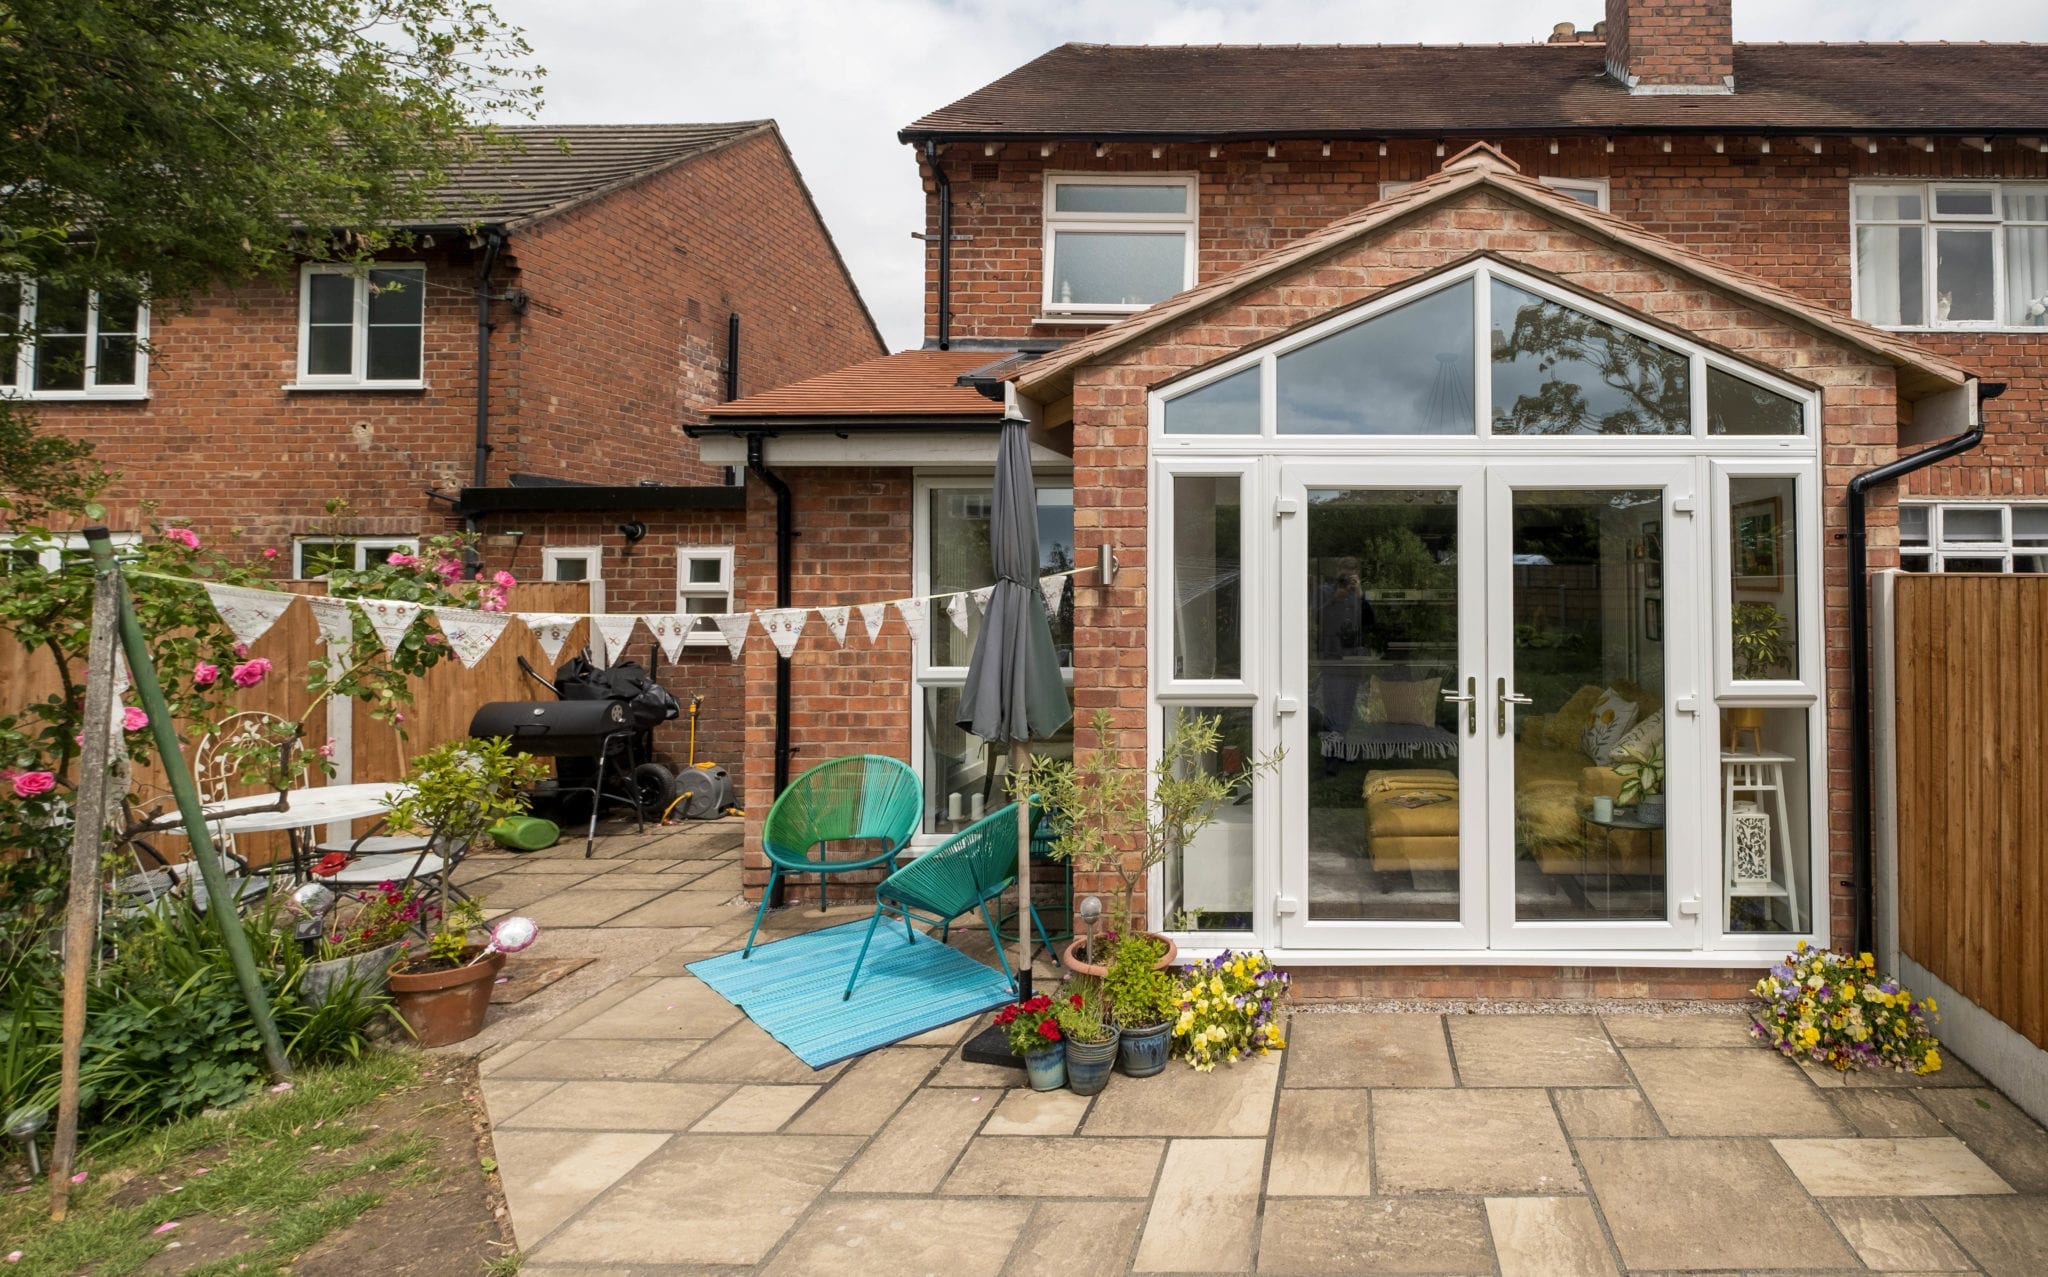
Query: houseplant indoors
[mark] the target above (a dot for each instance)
(1144, 1001)
(1642, 782)
(1090, 1037)
(1762, 650)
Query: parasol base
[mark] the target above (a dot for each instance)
(991, 1046)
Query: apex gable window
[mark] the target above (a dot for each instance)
(71, 343)
(362, 329)
(1951, 254)
(1115, 244)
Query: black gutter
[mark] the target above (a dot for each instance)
(945, 193)
(1862, 883)
(598, 498)
(845, 427)
(785, 535)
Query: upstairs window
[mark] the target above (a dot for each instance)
(1117, 244)
(1951, 254)
(71, 343)
(362, 329)
(314, 557)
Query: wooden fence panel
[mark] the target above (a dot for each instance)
(1972, 788)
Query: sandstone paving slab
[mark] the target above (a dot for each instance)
(1534, 1050)
(1233, 1100)
(1048, 1249)
(550, 1175)
(1730, 1030)
(1612, 1112)
(714, 938)
(1353, 1050)
(1376, 1235)
(850, 1237)
(598, 1058)
(1049, 1166)
(689, 907)
(1933, 1167)
(703, 1199)
(746, 1053)
(1548, 1237)
(522, 891)
(1887, 1113)
(755, 1110)
(1953, 1073)
(1895, 1235)
(504, 1097)
(1998, 1131)
(2005, 1236)
(864, 1097)
(585, 905)
(945, 1034)
(1469, 1141)
(1205, 1210)
(642, 877)
(673, 1007)
(1688, 1204)
(678, 962)
(497, 1059)
(1321, 1145)
(556, 866)
(1731, 1092)
(1027, 1112)
(622, 1106)
(588, 1008)
(913, 1153)
(959, 1072)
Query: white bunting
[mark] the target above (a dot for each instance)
(337, 622)
(835, 621)
(981, 598)
(784, 626)
(613, 631)
(670, 629)
(550, 629)
(248, 613)
(956, 607)
(1053, 588)
(391, 618)
(734, 626)
(471, 633)
(873, 614)
(916, 612)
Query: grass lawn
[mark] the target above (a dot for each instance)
(372, 1166)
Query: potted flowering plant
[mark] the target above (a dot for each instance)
(1033, 1030)
(1144, 1000)
(1834, 1010)
(362, 934)
(1230, 1008)
(1090, 1036)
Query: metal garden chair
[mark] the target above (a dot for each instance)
(965, 872)
(859, 797)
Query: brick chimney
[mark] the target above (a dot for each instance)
(1672, 46)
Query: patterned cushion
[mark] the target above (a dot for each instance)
(1612, 716)
(1641, 738)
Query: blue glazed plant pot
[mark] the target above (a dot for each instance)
(1048, 1068)
(1141, 1052)
(1088, 1064)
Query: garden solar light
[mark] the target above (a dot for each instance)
(23, 1124)
(1090, 913)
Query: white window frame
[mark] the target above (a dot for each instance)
(1596, 185)
(364, 547)
(23, 386)
(1933, 554)
(1187, 225)
(551, 555)
(1396, 187)
(50, 550)
(704, 633)
(1996, 222)
(360, 329)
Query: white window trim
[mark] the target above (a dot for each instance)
(1396, 187)
(1597, 185)
(1186, 224)
(25, 356)
(704, 635)
(360, 330)
(50, 551)
(1939, 547)
(1996, 223)
(553, 554)
(364, 547)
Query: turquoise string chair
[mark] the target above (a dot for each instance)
(861, 796)
(965, 872)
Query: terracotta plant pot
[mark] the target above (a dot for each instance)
(441, 1007)
(1071, 959)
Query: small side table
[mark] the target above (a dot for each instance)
(1607, 829)
(1757, 861)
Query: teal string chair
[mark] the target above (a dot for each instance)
(861, 796)
(965, 872)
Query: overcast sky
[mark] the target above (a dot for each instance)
(843, 75)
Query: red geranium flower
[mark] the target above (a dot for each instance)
(1050, 1031)
(1076, 1000)
(1007, 1014)
(330, 864)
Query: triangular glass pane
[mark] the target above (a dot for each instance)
(1226, 407)
(1559, 371)
(1405, 372)
(1739, 407)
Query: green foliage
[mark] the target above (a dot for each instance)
(42, 474)
(1230, 1007)
(1834, 1009)
(1031, 1026)
(1139, 995)
(1762, 649)
(1642, 774)
(456, 792)
(1083, 1011)
(452, 937)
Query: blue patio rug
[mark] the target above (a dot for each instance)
(792, 988)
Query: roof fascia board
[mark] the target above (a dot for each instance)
(769, 427)
(917, 137)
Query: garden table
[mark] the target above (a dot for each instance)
(304, 810)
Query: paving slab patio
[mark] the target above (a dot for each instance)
(644, 1126)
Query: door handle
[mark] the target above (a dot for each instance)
(1502, 698)
(1470, 700)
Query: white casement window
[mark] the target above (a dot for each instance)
(1951, 254)
(1974, 536)
(18, 554)
(576, 563)
(1117, 243)
(1393, 188)
(72, 343)
(361, 328)
(704, 588)
(314, 557)
(1590, 191)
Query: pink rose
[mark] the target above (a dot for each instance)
(250, 673)
(504, 580)
(400, 559)
(435, 640)
(494, 602)
(205, 674)
(133, 719)
(270, 553)
(449, 567)
(241, 651)
(29, 784)
(327, 750)
(183, 536)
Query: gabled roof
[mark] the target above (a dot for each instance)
(1481, 166)
(919, 386)
(1100, 91)
(542, 170)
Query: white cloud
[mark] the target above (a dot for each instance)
(842, 76)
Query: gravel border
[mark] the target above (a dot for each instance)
(1529, 1006)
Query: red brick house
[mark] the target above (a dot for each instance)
(1483, 427)
(528, 370)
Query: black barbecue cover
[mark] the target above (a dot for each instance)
(646, 700)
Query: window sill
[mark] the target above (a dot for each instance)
(75, 396)
(373, 387)
(1082, 321)
(2034, 329)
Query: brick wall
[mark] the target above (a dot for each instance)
(1666, 43)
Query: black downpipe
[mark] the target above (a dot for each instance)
(732, 356)
(493, 242)
(1862, 882)
(785, 535)
(945, 185)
